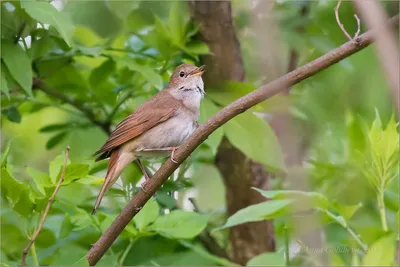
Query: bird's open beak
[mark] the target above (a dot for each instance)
(199, 71)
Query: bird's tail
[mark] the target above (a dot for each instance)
(111, 177)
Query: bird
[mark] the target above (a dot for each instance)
(156, 128)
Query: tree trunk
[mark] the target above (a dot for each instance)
(239, 172)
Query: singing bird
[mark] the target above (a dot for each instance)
(156, 128)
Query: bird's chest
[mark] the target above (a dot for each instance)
(170, 133)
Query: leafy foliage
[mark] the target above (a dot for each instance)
(70, 72)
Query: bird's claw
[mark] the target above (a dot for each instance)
(172, 156)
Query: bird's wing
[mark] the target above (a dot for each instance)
(158, 109)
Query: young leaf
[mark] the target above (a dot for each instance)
(4, 158)
(54, 127)
(75, 171)
(180, 224)
(3, 84)
(255, 138)
(268, 259)
(66, 226)
(153, 77)
(41, 179)
(258, 212)
(18, 64)
(55, 140)
(382, 252)
(147, 214)
(46, 13)
(55, 167)
(12, 114)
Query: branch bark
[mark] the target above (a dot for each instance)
(237, 107)
(386, 45)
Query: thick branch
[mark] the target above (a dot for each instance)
(237, 107)
(46, 211)
(386, 45)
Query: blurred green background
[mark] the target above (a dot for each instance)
(92, 63)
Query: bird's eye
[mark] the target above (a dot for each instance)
(182, 74)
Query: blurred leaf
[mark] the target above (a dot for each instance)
(382, 252)
(3, 84)
(19, 64)
(166, 200)
(197, 48)
(41, 179)
(4, 157)
(82, 262)
(54, 127)
(207, 110)
(66, 226)
(123, 8)
(41, 47)
(180, 224)
(177, 23)
(55, 140)
(348, 211)
(147, 214)
(316, 198)
(45, 239)
(204, 253)
(258, 212)
(12, 114)
(46, 13)
(71, 254)
(153, 77)
(101, 73)
(268, 259)
(81, 220)
(95, 15)
(255, 139)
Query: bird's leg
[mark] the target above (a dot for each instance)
(146, 175)
(170, 148)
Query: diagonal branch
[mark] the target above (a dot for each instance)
(237, 107)
(46, 211)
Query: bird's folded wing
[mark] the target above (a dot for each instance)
(157, 110)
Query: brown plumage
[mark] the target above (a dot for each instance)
(157, 127)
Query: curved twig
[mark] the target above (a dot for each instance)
(355, 38)
(46, 211)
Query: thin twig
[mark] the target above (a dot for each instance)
(355, 38)
(204, 130)
(207, 240)
(46, 211)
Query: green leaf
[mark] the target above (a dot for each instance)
(153, 77)
(46, 13)
(199, 249)
(55, 140)
(180, 224)
(101, 73)
(17, 193)
(348, 211)
(75, 171)
(12, 114)
(177, 23)
(41, 47)
(147, 214)
(122, 9)
(54, 127)
(208, 109)
(82, 262)
(3, 84)
(55, 167)
(41, 179)
(382, 252)
(316, 199)
(258, 212)
(66, 226)
(268, 259)
(19, 65)
(197, 48)
(4, 157)
(255, 139)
